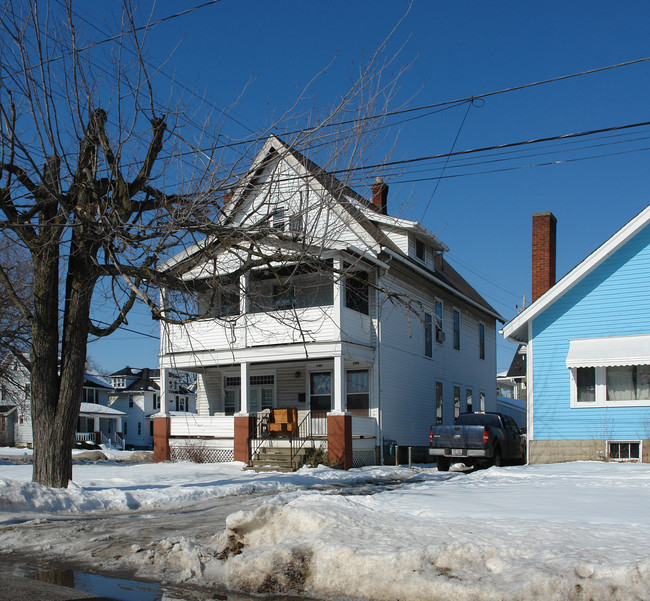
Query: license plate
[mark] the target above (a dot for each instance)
(457, 452)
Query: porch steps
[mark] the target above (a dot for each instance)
(275, 459)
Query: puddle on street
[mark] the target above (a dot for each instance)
(123, 589)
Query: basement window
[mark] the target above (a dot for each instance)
(624, 450)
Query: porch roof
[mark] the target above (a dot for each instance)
(93, 410)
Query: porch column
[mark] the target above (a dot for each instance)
(164, 401)
(340, 405)
(97, 425)
(118, 425)
(243, 293)
(338, 293)
(244, 371)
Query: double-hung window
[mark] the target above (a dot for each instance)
(457, 329)
(438, 311)
(428, 335)
(439, 403)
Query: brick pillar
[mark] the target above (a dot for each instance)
(543, 264)
(244, 426)
(339, 439)
(161, 429)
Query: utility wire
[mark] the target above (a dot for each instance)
(435, 189)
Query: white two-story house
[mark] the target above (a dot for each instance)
(320, 301)
(136, 393)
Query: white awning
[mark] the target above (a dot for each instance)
(603, 352)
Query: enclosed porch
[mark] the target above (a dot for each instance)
(252, 411)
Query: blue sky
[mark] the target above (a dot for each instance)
(456, 50)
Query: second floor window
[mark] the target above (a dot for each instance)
(356, 292)
(438, 307)
(457, 329)
(481, 341)
(428, 335)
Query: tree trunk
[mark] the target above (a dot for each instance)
(49, 452)
(57, 390)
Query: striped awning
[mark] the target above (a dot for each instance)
(603, 352)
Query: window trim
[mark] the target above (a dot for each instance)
(600, 394)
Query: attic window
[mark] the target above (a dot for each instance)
(296, 223)
(279, 219)
(420, 249)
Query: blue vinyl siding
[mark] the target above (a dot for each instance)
(613, 300)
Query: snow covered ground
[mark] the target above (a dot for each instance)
(576, 531)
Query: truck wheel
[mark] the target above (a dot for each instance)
(443, 464)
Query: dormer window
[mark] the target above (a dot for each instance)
(420, 250)
(279, 218)
(296, 223)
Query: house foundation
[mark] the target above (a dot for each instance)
(559, 451)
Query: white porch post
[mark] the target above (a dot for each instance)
(340, 406)
(96, 426)
(338, 293)
(164, 401)
(118, 424)
(244, 370)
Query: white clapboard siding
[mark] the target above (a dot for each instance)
(219, 426)
(364, 426)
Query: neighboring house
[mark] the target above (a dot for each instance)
(324, 327)
(95, 419)
(511, 388)
(136, 393)
(15, 402)
(588, 348)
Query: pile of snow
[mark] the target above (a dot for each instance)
(575, 531)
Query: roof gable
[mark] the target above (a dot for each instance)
(517, 328)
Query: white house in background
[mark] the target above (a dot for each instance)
(136, 393)
(15, 403)
(349, 316)
(96, 422)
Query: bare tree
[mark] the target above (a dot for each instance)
(100, 183)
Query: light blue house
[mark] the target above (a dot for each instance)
(588, 349)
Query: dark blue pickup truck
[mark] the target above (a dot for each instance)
(478, 439)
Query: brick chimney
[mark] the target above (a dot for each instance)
(543, 253)
(380, 196)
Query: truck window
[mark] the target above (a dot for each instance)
(478, 419)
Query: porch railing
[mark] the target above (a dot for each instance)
(84, 437)
(119, 441)
(261, 432)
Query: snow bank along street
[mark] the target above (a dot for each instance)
(553, 532)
